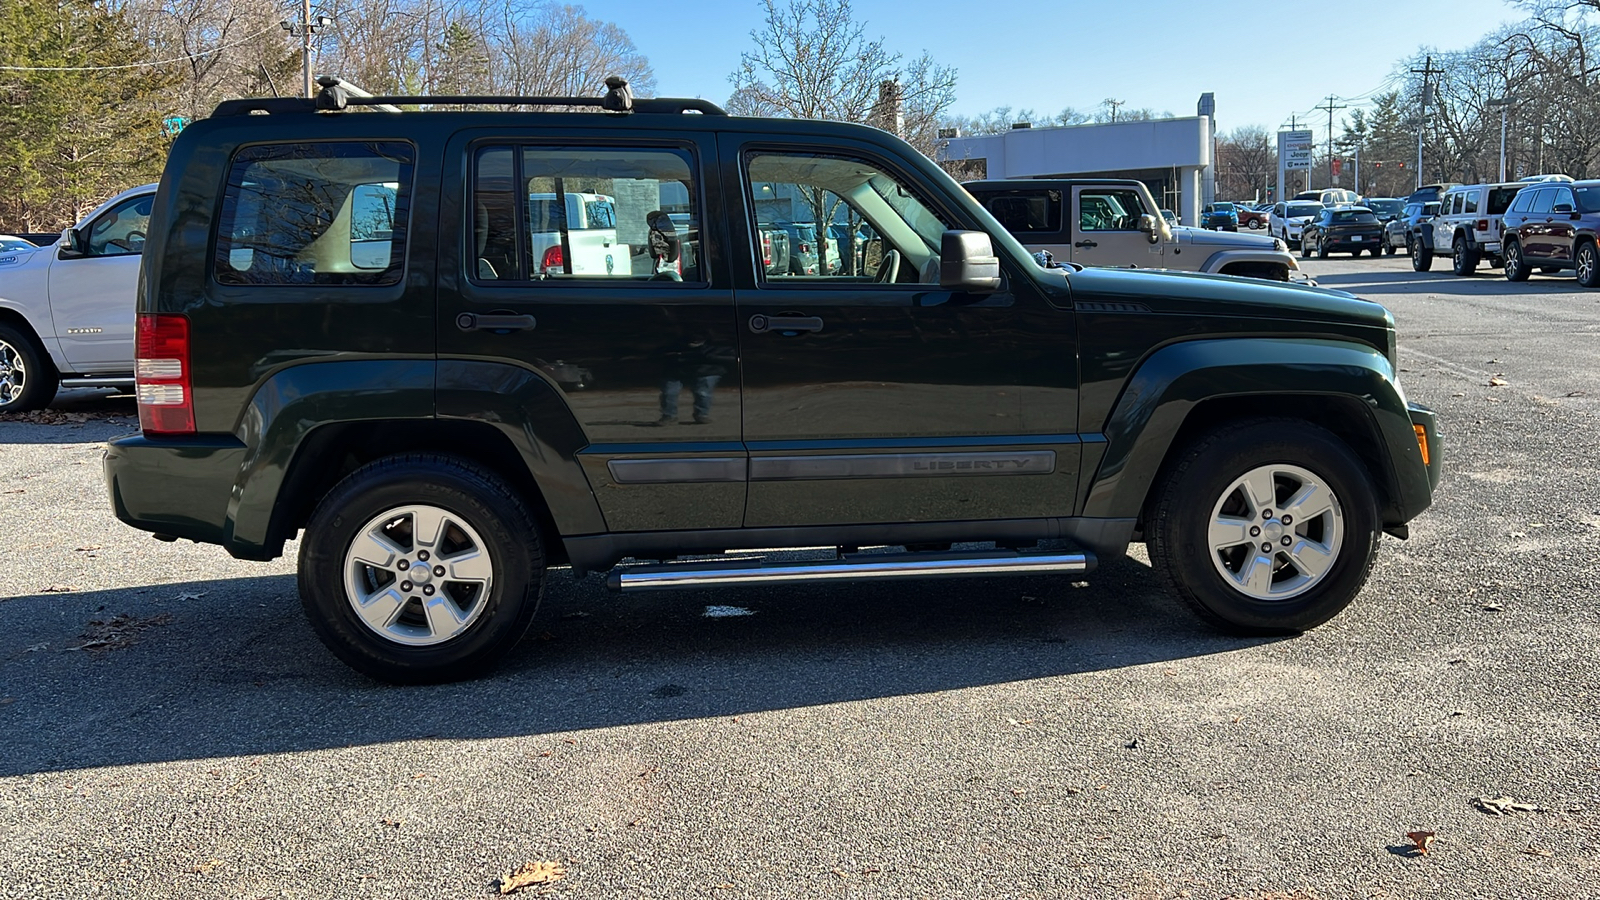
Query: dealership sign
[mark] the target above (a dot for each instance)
(1294, 149)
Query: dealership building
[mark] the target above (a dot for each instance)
(1172, 156)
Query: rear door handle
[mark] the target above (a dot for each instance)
(764, 324)
(1081, 244)
(494, 322)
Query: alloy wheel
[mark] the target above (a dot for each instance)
(1276, 532)
(418, 575)
(13, 374)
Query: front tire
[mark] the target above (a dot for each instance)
(1587, 262)
(1281, 484)
(1516, 267)
(28, 379)
(1421, 257)
(420, 569)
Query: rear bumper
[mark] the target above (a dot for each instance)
(176, 487)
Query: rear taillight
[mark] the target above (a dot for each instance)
(1483, 225)
(553, 259)
(805, 247)
(161, 375)
(766, 249)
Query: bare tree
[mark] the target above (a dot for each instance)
(813, 60)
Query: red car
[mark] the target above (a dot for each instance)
(1251, 217)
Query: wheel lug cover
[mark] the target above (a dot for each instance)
(1255, 531)
(438, 571)
(1287, 520)
(1266, 548)
(422, 555)
(405, 585)
(427, 589)
(1287, 540)
(1266, 514)
(403, 565)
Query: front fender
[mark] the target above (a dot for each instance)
(1216, 261)
(1175, 379)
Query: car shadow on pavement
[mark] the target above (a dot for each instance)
(1486, 282)
(79, 416)
(226, 668)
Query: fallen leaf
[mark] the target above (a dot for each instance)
(531, 874)
(17, 491)
(841, 873)
(1500, 806)
(1577, 393)
(59, 589)
(118, 632)
(86, 549)
(205, 868)
(190, 596)
(1539, 851)
(1497, 381)
(394, 823)
(1423, 840)
(724, 886)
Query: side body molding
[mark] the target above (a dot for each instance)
(1171, 382)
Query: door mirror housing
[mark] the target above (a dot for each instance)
(967, 262)
(71, 244)
(1562, 208)
(1151, 228)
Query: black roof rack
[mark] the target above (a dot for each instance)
(334, 96)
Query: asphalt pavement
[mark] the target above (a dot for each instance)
(170, 727)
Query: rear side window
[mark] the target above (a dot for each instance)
(1026, 212)
(1469, 203)
(1520, 205)
(1500, 199)
(315, 213)
(1541, 201)
(586, 214)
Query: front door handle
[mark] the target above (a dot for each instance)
(1083, 244)
(787, 324)
(494, 322)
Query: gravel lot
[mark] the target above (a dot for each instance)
(993, 738)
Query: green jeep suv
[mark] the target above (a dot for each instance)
(367, 329)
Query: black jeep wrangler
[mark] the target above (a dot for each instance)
(453, 348)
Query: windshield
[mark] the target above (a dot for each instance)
(1588, 197)
(1223, 207)
(1304, 209)
(1386, 207)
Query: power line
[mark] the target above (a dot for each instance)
(141, 65)
(1426, 71)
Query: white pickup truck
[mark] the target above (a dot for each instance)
(590, 221)
(67, 310)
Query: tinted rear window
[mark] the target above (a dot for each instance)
(1353, 217)
(320, 212)
(1588, 197)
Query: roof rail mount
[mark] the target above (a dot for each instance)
(337, 95)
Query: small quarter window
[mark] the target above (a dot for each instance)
(1469, 203)
(330, 213)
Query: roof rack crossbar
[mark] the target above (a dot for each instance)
(277, 105)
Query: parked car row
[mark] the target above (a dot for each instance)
(1544, 225)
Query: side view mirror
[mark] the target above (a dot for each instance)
(71, 244)
(1562, 208)
(1152, 230)
(967, 262)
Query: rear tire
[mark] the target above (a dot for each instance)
(1587, 262)
(420, 569)
(1516, 267)
(28, 379)
(1250, 475)
(1463, 259)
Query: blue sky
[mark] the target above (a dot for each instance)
(1263, 60)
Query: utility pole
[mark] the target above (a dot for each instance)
(1505, 104)
(304, 29)
(1330, 108)
(1427, 71)
(1114, 104)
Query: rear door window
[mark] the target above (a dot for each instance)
(320, 212)
(1026, 212)
(1469, 203)
(587, 214)
(1542, 200)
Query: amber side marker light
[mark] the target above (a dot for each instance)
(1422, 442)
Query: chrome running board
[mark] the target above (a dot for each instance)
(851, 567)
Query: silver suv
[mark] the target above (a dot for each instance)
(1468, 227)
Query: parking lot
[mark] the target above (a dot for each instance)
(172, 727)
